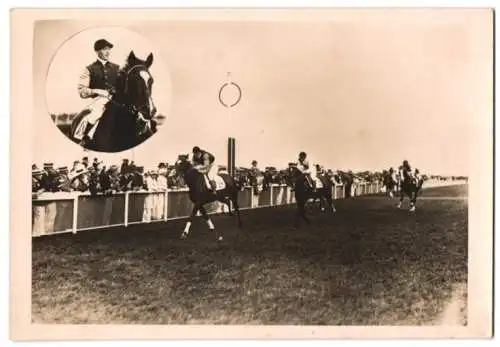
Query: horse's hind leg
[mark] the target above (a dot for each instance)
(413, 201)
(211, 225)
(301, 213)
(329, 200)
(237, 210)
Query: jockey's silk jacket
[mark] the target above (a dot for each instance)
(99, 76)
(303, 166)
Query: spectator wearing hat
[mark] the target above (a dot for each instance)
(63, 181)
(97, 82)
(254, 170)
(36, 183)
(95, 163)
(80, 180)
(138, 179)
(85, 162)
(125, 167)
(49, 177)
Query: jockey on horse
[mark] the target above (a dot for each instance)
(303, 166)
(203, 161)
(409, 184)
(97, 82)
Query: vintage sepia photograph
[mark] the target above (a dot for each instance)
(295, 169)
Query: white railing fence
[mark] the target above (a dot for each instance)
(55, 213)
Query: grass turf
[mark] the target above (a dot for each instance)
(368, 264)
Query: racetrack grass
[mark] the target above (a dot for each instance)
(368, 264)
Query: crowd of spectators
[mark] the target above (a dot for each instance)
(97, 178)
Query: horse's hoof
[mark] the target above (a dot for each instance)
(183, 236)
(323, 209)
(219, 238)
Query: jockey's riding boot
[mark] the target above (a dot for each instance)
(86, 139)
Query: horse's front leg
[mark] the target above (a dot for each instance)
(190, 221)
(401, 197)
(413, 200)
(210, 224)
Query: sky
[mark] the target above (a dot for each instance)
(363, 93)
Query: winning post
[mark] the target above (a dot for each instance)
(230, 102)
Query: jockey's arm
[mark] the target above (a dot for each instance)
(83, 87)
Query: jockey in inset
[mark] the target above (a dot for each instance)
(97, 82)
(203, 161)
(303, 166)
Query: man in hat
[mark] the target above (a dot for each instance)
(85, 162)
(254, 170)
(63, 181)
(124, 168)
(97, 82)
(36, 183)
(80, 180)
(138, 178)
(49, 178)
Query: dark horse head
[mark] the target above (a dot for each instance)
(127, 120)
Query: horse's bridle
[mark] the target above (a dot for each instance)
(133, 109)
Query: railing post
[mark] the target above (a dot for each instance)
(271, 196)
(165, 206)
(125, 220)
(75, 214)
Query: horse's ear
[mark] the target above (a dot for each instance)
(131, 56)
(149, 60)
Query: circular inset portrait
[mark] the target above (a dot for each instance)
(108, 89)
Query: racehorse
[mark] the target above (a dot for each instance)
(200, 194)
(410, 186)
(127, 118)
(389, 182)
(303, 192)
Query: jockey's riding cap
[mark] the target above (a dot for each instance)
(101, 44)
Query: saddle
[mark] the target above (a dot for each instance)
(220, 184)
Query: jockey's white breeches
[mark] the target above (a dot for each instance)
(212, 171)
(304, 170)
(96, 108)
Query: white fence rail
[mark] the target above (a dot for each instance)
(56, 213)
